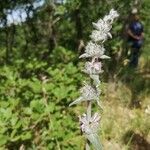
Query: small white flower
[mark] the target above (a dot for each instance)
(112, 15)
(100, 36)
(90, 126)
(102, 26)
(88, 93)
(93, 50)
(102, 31)
(93, 68)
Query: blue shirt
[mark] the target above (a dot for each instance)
(137, 29)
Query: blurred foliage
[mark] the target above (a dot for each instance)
(32, 119)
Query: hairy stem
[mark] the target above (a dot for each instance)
(89, 113)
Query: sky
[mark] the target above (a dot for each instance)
(18, 15)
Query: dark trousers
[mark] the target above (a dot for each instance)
(134, 57)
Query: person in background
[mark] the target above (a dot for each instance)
(135, 34)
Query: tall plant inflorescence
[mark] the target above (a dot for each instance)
(90, 92)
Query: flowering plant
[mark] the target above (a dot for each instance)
(89, 93)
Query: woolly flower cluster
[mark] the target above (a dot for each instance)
(89, 126)
(90, 93)
(103, 26)
(93, 50)
(93, 68)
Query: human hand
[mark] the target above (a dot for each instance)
(137, 37)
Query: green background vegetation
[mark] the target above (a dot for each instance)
(40, 74)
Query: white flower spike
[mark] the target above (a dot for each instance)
(90, 93)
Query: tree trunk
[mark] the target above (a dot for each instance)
(78, 26)
(10, 33)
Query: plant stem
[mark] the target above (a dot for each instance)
(87, 146)
(89, 112)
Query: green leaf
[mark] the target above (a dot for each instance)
(3, 139)
(50, 108)
(26, 136)
(14, 120)
(37, 106)
(35, 86)
(27, 111)
(16, 138)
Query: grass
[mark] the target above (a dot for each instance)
(125, 125)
